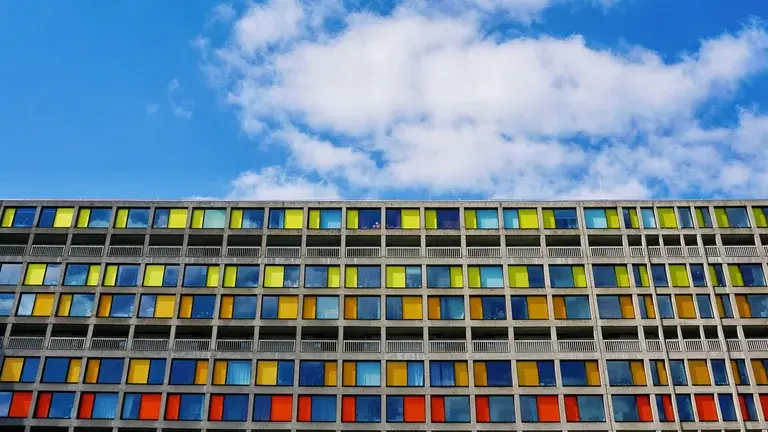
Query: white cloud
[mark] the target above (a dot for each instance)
(274, 183)
(182, 110)
(222, 13)
(267, 23)
(173, 85)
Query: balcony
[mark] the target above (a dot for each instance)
(283, 252)
(606, 252)
(270, 345)
(25, 342)
(622, 346)
(484, 252)
(66, 343)
(403, 252)
(524, 252)
(243, 251)
(109, 344)
(47, 250)
(192, 345)
(363, 252)
(448, 346)
(164, 251)
(234, 345)
(323, 252)
(125, 251)
(741, 251)
(491, 346)
(405, 346)
(150, 344)
(565, 252)
(12, 250)
(204, 251)
(362, 346)
(319, 346)
(443, 252)
(86, 250)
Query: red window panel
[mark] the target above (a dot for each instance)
(548, 409)
(172, 407)
(706, 408)
(216, 409)
(437, 406)
(483, 408)
(85, 410)
(305, 408)
(20, 403)
(348, 409)
(149, 408)
(644, 412)
(43, 405)
(414, 409)
(571, 409)
(282, 408)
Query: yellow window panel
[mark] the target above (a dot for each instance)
(219, 372)
(409, 219)
(644, 276)
(480, 373)
(622, 276)
(529, 219)
(758, 368)
(579, 277)
(121, 220)
(294, 218)
(82, 218)
(350, 308)
(720, 306)
(735, 373)
(700, 218)
(12, 367)
(185, 309)
(274, 276)
(43, 305)
(661, 371)
(527, 373)
(334, 276)
(212, 280)
(288, 307)
(330, 374)
(65, 303)
(397, 374)
(395, 276)
(549, 218)
(412, 308)
(593, 373)
(537, 308)
(742, 305)
(105, 305)
(110, 275)
(649, 309)
(349, 374)
(236, 219)
(353, 219)
(473, 276)
(721, 217)
(633, 219)
(201, 372)
(612, 216)
(93, 275)
(8, 215)
(266, 373)
(433, 308)
(197, 218)
(63, 218)
(760, 219)
(314, 219)
(461, 374)
(475, 308)
(470, 219)
(73, 374)
(350, 277)
(164, 306)
(638, 372)
(735, 273)
(685, 308)
(35, 274)
(457, 279)
(699, 372)
(226, 308)
(518, 277)
(153, 275)
(558, 306)
(679, 275)
(138, 371)
(627, 309)
(667, 217)
(177, 218)
(430, 219)
(310, 306)
(230, 276)
(92, 371)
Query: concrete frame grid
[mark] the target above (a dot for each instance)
(18, 325)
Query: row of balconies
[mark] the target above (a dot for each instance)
(375, 346)
(389, 252)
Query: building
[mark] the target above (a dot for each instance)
(364, 316)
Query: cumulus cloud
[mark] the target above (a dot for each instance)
(274, 183)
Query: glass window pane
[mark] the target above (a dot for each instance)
(291, 276)
(269, 307)
(487, 219)
(327, 307)
(253, 218)
(609, 307)
(122, 306)
(438, 277)
(52, 272)
(566, 218)
(315, 276)
(684, 213)
(244, 307)
(161, 218)
(393, 218)
(649, 220)
(561, 276)
(677, 369)
(276, 218)
(202, 307)
(659, 274)
(47, 215)
(369, 277)
(665, 306)
(99, 218)
(127, 276)
(698, 276)
(684, 407)
(595, 218)
(10, 274)
(76, 275)
(368, 308)
(605, 276)
(369, 219)
(24, 217)
(82, 305)
(214, 218)
(511, 219)
(737, 217)
(139, 218)
(330, 219)
(704, 305)
(195, 276)
(577, 307)
(247, 277)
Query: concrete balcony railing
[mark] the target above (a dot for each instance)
(448, 346)
(655, 251)
(319, 346)
(109, 344)
(674, 251)
(741, 251)
(405, 346)
(86, 250)
(192, 345)
(125, 251)
(636, 251)
(622, 346)
(491, 346)
(606, 251)
(272, 345)
(362, 346)
(565, 252)
(150, 344)
(443, 252)
(323, 252)
(693, 251)
(712, 251)
(234, 345)
(164, 251)
(47, 250)
(243, 251)
(524, 252)
(363, 252)
(25, 342)
(402, 252)
(66, 343)
(204, 251)
(283, 252)
(534, 346)
(754, 344)
(484, 252)
(576, 346)
(12, 250)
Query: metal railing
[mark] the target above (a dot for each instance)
(491, 346)
(754, 344)
(636, 251)
(655, 251)
(243, 251)
(66, 343)
(363, 252)
(674, 251)
(230, 345)
(164, 251)
(735, 344)
(362, 346)
(150, 344)
(109, 344)
(484, 252)
(565, 252)
(12, 250)
(741, 251)
(448, 346)
(693, 251)
(712, 251)
(524, 252)
(323, 252)
(653, 345)
(621, 345)
(192, 345)
(25, 342)
(204, 251)
(272, 345)
(47, 250)
(444, 252)
(405, 346)
(283, 252)
(402, 252)
(125, 251)
(534, 346)
(606, 251)
(319, 346)
(576, 346)
(86, 250)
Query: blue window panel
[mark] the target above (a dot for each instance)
(727, 408)
(52, 272)
(528, 409)
(609, 307)
(741, 370)
(247, 277)
(24, 217)
(494, 308)
(665, 306)
(276, 218)
(502, 409)
(737, 217)
(499, 373)
(660, 409)
(369, 218)
(561, 276)
(649, 220)
(29, 370)
(195, 276)
(491, 277)
(156, 371)
(574, 373)
(76, 275)
(55, 370)
(104, 406)
(131, 403)
(244, 307)
(591, 408)
(698, 276)
(605, 276)
(138, 218)
(191, 407)
(5, 403)
(566, 219)
(316, 276)
(684, 214)
(394, 308)
(368, 409)
(61, 405)
(26, 303)
(415, 372)
(727, 309)
(749, 402)
(285, 373)
(10, 274)
(636, 275)
(214, 218)
(182, 372)
(330, 219)
(546, 373)
(127, 275)
(253, 218)
(719, 373)
(262, 407)
(758, 304)
(369, 277)
(99, 218)
(624, 408)
(519, 307)
(577, 307)
(447, 218)
(595, 218)
(202, 307)
(323, 409)
(147, 306)
(171, 275)
(6, 304)
(393, 218)
(441, 374)
(311, 373)
(456, 409)
(368, 308)
(619, 373)
(511, 219)
(122, 306)
(677, 370)
(161, 218)
(487, 219)
(110, 371)
(659, 275)
(536, 276)
(704, 305)
(47, 215)
(752, 275)
(82, 305)
(413, 276)
(395, 412)
(719, 276)
(627, 218)
(368, 373)
(327, 307)
(684, 408)
(291, 276)
(438, 277)
(238, 372)
(452, 308)
(235, 408)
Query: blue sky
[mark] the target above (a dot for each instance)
(373, 99)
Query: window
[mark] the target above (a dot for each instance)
(521, 219)
(562, 218)
(531, 276)
(640, 274)
(361, 409)
(584, 409)
(679, 275)
(740, 374)
(286, 218)
(94, 218)
(10, 274)
(281, 276)
(53, 217)
(684, 214)
(6, 304)
(273, 408)
(228, 407)
(82, 275)
(317, 408)
(115, 305)
(404, 307)
(132, 218)
(279, 307)
(122, 275)
(761, 216)
(724, 308)
(659, 274)
(716, 274)
(362, 276)
(156, 306)
(677, 370)
(601, 218)
(208, 218)
(529, 307)
(363, 219)
(750, 306)
(197, 306)
(61, 370)
(445, 308)
(104, 371)
(731, 217)
(698, 275)
(35, 305)
(441, 218)
(703, 217)
(481, 218)
(645, 303)
(54, 405)
(405, 374)
(362, 307)
(188, 372)
(237, 307)
(317, 373)
(184, 407)
(615, 307)
(321, 276)
(666, 217)
(684, 407)
(403, 219)
(706, 408)
(630, 218)
(684, 306)
(146, 371)
(664, 408)
(579, 373)
(15, 404)
(566, 276)
(159, 275)
(404, 276)
(141, 406)
(18, 217)
(747, 406)
(97, 406)
(19, 369)
(449, 409)
(42, 274)
(665, 306)
(492, 373)
(274, 373)
(539, 373)
(448, 374)
(246, 219)
(232, 372)
(200, 276)
(704, 306)
(324, 219)
(485, 277)
(175, 218)
(406, 409)
(241, 276)
(539, 409)
(361, 374)
(631, 408)
(759, 367)
(320, 307)
(746, 275)
(571, 307)
(445, 277)
(649, 220)
(623, 373)
(610, 276)
(487, 308)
